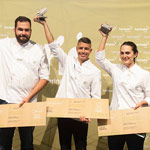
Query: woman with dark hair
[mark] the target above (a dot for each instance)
(131, 89)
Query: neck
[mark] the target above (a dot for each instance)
(82, 61)
(21, 44)
(129, 66)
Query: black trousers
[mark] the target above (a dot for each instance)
(68, 127)
(26, 136)
(134, 142)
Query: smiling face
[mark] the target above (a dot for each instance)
(23, 32)
(83, 51)
(127, 55)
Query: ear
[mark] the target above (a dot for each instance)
(76, 48)
(91, 50)
(136, 54)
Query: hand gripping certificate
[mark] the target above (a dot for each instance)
(30, 114)
(128, 121)
(76, 107)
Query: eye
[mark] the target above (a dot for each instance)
(86, 48)
(27, 30)
(127, 53)
(80, 47)
(121, 53)
(20, 29)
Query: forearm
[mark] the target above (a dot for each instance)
(103, 40)
(48, 33)
(102, 43)
(37, 88)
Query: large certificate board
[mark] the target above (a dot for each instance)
(76, 107)
(127, 121)
(30, 114)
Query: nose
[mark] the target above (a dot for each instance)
(83, 50)
(23, 32)
(124, 55)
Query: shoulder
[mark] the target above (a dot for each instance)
(7, 42)
(36, 48)
(35, 44)
(71, 58)
(119, 66)
(141, 70)
(93, 67)
(7, 39)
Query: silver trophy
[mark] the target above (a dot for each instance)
(41, 13)
(105, 28)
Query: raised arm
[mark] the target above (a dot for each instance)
(48, 33)
(103, 41)
(100, 55)
(54, 47)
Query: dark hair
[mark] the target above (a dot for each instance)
(133, 45)
(84, 40)
(22, 19)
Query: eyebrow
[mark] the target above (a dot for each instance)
(86, 48)
(21, 29)
(124, 52)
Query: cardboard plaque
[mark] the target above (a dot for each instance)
(76, 107)
(30, 114)
(128, 121)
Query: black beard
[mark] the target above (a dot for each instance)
(18, 37)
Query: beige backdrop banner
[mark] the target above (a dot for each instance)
(69, 20)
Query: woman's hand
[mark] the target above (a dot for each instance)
(104, 34)
(140, 104)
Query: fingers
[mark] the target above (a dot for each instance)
(39, 20)
(136, 107)
(103, 34)
(105, 29)
(87, 120)
(83, 119)
(140, 104)
(36, 19)
(21, 104)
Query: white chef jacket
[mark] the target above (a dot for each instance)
(130, 85)
(78, 81)
(21, 67)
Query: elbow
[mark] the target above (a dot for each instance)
(99, 61)
(50, 41)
